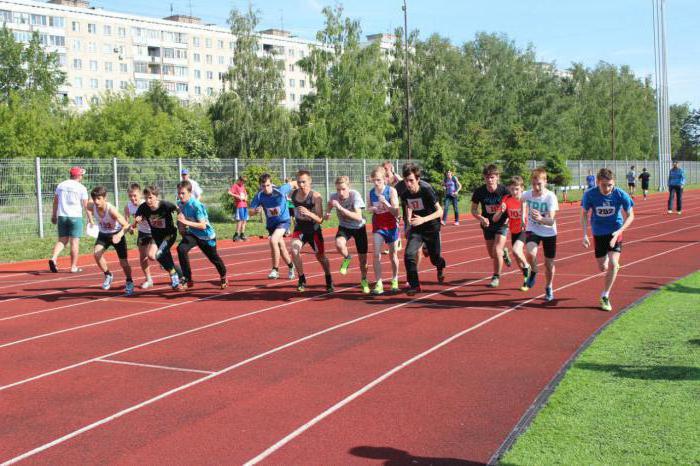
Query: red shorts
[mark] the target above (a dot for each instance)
(314, 239)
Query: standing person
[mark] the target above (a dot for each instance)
(590, 180)
(540, 209)
(144, 239)
(676, 181)
(240, 197)
(488, 196)
(423, 212)
(644, 177)
(196, 189)
(70, 199)
(308, 210)
(395, 181)
(452, 187)
(511, 207)
(274, 201)
(159, 216)
(606, 204)
(384, 205)
(198, 232)
(112, 227)
(632, 180)
(348, 206)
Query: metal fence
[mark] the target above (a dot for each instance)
(27, 185)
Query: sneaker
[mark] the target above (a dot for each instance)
(442, 222)
(344, 266)
(223, 283)
(52, 266)
(107, 284)
(506, 258)
(378, 288)
(243, 237)
(364, 284)
(301, 285)
(183, 285)
(679, 212)
(413, 290)
(605, 303)
(670, 211)
(147, 284)
(548, 294)
(274, 274)
(531, 280)
(441, 275)
(290, 274)
(129, 289)
(394, 284)
(174, 281)
(235, 237)
(495, 282)
(456, 224)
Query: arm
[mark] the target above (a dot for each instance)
(201, 224)
(54, 214)
(329, 207)
(317, 214)
(497, 216)
(584, 227)
(475, 213)
(459, 186)
(88, 211)
(394, 196)
(416, 220)
(548, 221)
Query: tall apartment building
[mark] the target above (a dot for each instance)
(108, 51)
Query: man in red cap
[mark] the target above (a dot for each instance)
(68, 203)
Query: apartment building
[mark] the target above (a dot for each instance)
(105, 51)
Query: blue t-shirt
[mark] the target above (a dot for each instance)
(590, 181)
(275, 205)
(195, 211)
(607, 210)
(450, 186)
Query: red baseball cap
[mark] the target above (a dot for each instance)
(77, 171)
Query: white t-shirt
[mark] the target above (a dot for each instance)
(71, 195)
(143, 226)
(196, 189)
(545, 204)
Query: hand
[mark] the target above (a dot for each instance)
(614, 239)
(116, 238)
(536, 215)
(132, 230)
(137, 220)
(503, 207)
(484, 222)
(383, 200)
(586, 242)
(181, 218)
(336, 204)
(327, 216)
(371, 209)
(54, 219)
(417, 220)
(303, 211)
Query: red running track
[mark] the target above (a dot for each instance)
(258, 373)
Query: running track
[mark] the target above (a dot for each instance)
(260, 374)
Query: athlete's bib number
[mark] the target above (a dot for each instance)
(273, 212)
(514, 213)
(492, 209)
(416, 204)
(158, 222)
(605, 211)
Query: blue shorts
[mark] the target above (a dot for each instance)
(242, 214)
(389, 236)
(71, 227)
(279, 226)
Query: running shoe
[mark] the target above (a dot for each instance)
(107, 284)
(235, 237)
(456, 224)
(290, 274)
(301, 285)
(548, 294)
(395, 284)
(506, 258)
(223, 283)
(174, 281)
(243, 237)
(531, 279)
(364, 284)
(605, 303)
(274, 274)
(413, 290)
(147, 284)
(378, 288)
(679, 212)
(670, 211)
(129, 289)
(52, 266)
(183, 285)
(344, 266)
(441, 275)
(495, 282)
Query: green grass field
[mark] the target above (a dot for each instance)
(633, 397)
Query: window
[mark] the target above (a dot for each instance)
(92, 28)
(107, 30)
(121, 32)
(92, 47)
(302, 54)
(57, 22)
(140, 67)
(220, 44)
(221, 60)
(168, 53)
(78, 101)
(197, 74)
(180, 38)
(197, 58)
(181, 54)
(291, 52)
(94, 100)
(93, 65)
(76, 45)
(94, 84)
(181, 87)
(210, 75)
(141, 84)
(62, 60)
(232, 45)
(230, 61)
(107, 49)
(293, 97)
(180, 71)
(78, 83)
(209, 59)
(291, 83)
(123, 85)
(207, 43)
(195, 41)
(210, 91)
(169, 86)
(108, 66)
(302, 83)
(75, 26)
(123, 68)
(197, 90)
(168, 36)
(39, 20)
(291, 68)
(109, 84)
(77, 64)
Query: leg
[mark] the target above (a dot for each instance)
(273, 241)
(243, 225)
(532, 256)
(212, 254)
(99, 258)
(296, 255)
(58, 247)
(394, 259)
(377, 253)
(446, 203)
(519, 254)
(679, 199)
(499, 243)
(415, 242)
(143, 259)
(323, 260)
(341, 244)
(549, 271)
(433, 243)
(74, 252)
(183, 250)
(614, 259)
(126, 268)
(670, 197)
(455, 205)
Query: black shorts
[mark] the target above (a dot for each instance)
(631, 185)
(645, 186)
(517, 237)
(144, 239)
(602, 245)
(358, 234)
(311, 235)
(491, 232)
(105, 240)
(549, 243)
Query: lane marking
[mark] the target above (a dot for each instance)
(153, 366)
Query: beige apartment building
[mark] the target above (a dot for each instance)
(105, 51)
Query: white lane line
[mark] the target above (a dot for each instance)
(153, 366)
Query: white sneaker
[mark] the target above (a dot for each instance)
(274, 274)
(456, 224)
(147, 284)
(290, 275)
(107, 284)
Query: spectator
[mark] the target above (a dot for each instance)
(676, 181)
(196, 189)
(70, 199)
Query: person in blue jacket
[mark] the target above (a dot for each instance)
(676, 181)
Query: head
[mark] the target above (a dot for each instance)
(644, 169)
(378, 177)
(342, 186)
(539, 180)
(590, 172)
(99, 196)
(491, 176)
(76, 173)
(411, 175)
(304, 180)
(152, 196)
(184, 191)
(185, 174)
(134, 193)
(388, 167)
(675, 164)
(605, 180)
(266, 183)
(515, 187)
(448, 175)
(241, 180)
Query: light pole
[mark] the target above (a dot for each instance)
(662, 110)
(406, 76)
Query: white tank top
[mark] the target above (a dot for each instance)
(143, 224)
(107, 224)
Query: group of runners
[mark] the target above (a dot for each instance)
(294, 207)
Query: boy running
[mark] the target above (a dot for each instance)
(488, 197)
(240, 197)
(159, 216)
(384, 206)
(144, 238)
(606, 204)
(644, 177)
(112, 227)
(540, 207)
(631, 180)
(348, 206)
(199, 232)
(308, 210)
(274, 201)
(423, 213)
(511, 207)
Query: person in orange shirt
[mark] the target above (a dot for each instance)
(512, 208)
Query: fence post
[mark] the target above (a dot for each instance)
(235, 169)
(580, 174)
(364, 179)
(39, 200)
(179, 166)
(115, 182)
(328, 180)
(284, 169)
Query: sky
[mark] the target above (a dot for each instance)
(561, 31)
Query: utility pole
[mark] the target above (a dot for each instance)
(408, 88)
(612, 111)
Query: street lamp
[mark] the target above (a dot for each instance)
(406, 75)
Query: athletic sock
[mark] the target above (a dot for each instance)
(496, 275)
(605, 294)
(526, 271)
(290, 265)
(302, 278)
(275, 268)
(329, 279)
(107, 273)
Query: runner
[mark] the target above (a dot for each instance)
(240, 197)
(274, 202)
(395, 181)
(488, 197)
(590, 180)
(606, 205)
(384, 206)
(644, 177)
(631, 180)
(112, 227)
(159, 216)
(452, 188)
(348, 206)
(308, 211)
(199, 232)
(290, 206)
(676, 181)
(511, 207)
(144, 239)
(423, 212)
(540, 207)
(70, 199)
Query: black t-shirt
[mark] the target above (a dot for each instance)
(422, 203)
(645, 178)
(160, 220)
(400, 188)
(490, 202)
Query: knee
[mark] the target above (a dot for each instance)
(603, 267)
